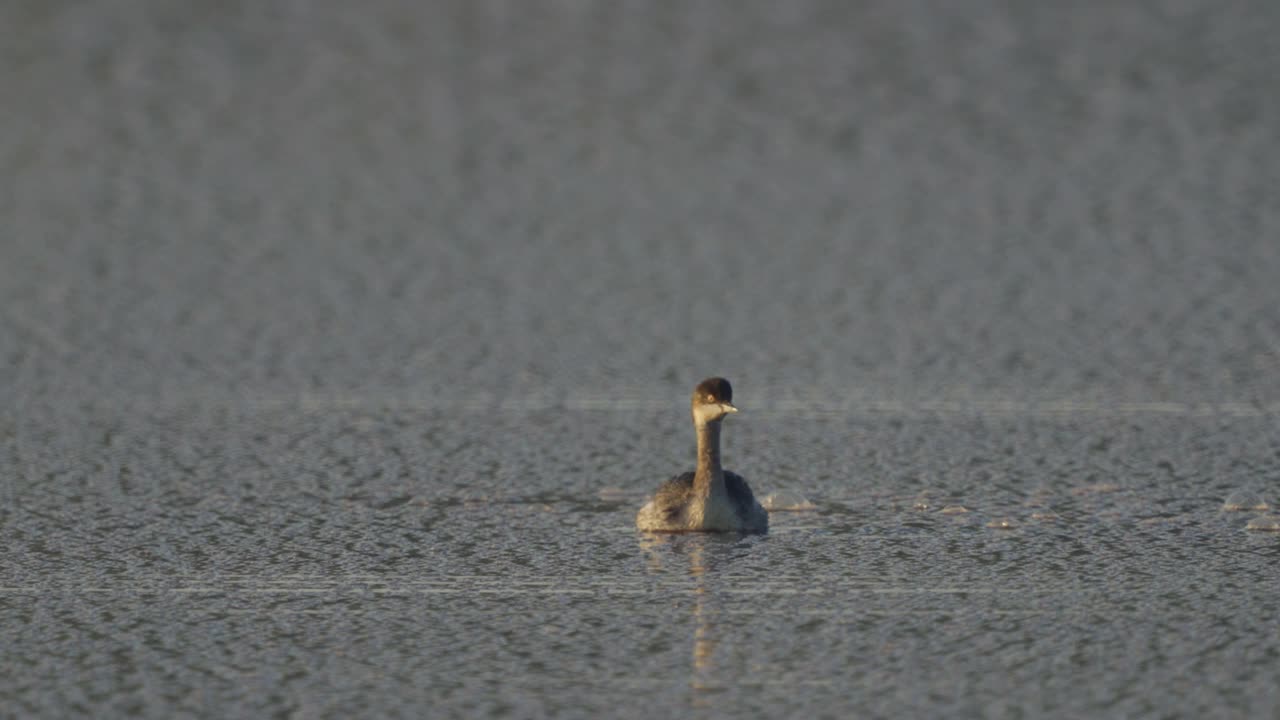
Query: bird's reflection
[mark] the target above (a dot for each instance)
(707, 556)
(705, 635)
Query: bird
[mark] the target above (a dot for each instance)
(710, 498)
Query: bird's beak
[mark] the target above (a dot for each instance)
(728, 408)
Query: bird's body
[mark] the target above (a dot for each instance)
(708, 499)
(676, 507)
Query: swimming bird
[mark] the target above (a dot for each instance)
(710, 498)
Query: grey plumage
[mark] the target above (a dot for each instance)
(673, 496)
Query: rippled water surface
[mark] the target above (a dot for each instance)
(485, 563)
(340, 343)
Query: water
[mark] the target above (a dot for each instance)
(486, 563)
(340, 343)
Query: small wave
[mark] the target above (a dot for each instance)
(787, 501)
(1264, 523)
(1243, 501)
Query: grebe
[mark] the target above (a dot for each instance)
(709, 498)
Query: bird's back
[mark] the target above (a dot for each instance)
(674, 499)
(740, 493)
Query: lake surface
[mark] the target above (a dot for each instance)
(339, 345)
(479, 563)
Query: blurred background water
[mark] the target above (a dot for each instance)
(339, 344)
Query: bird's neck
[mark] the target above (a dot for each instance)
(709, 474)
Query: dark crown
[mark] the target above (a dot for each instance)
(713, 390)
